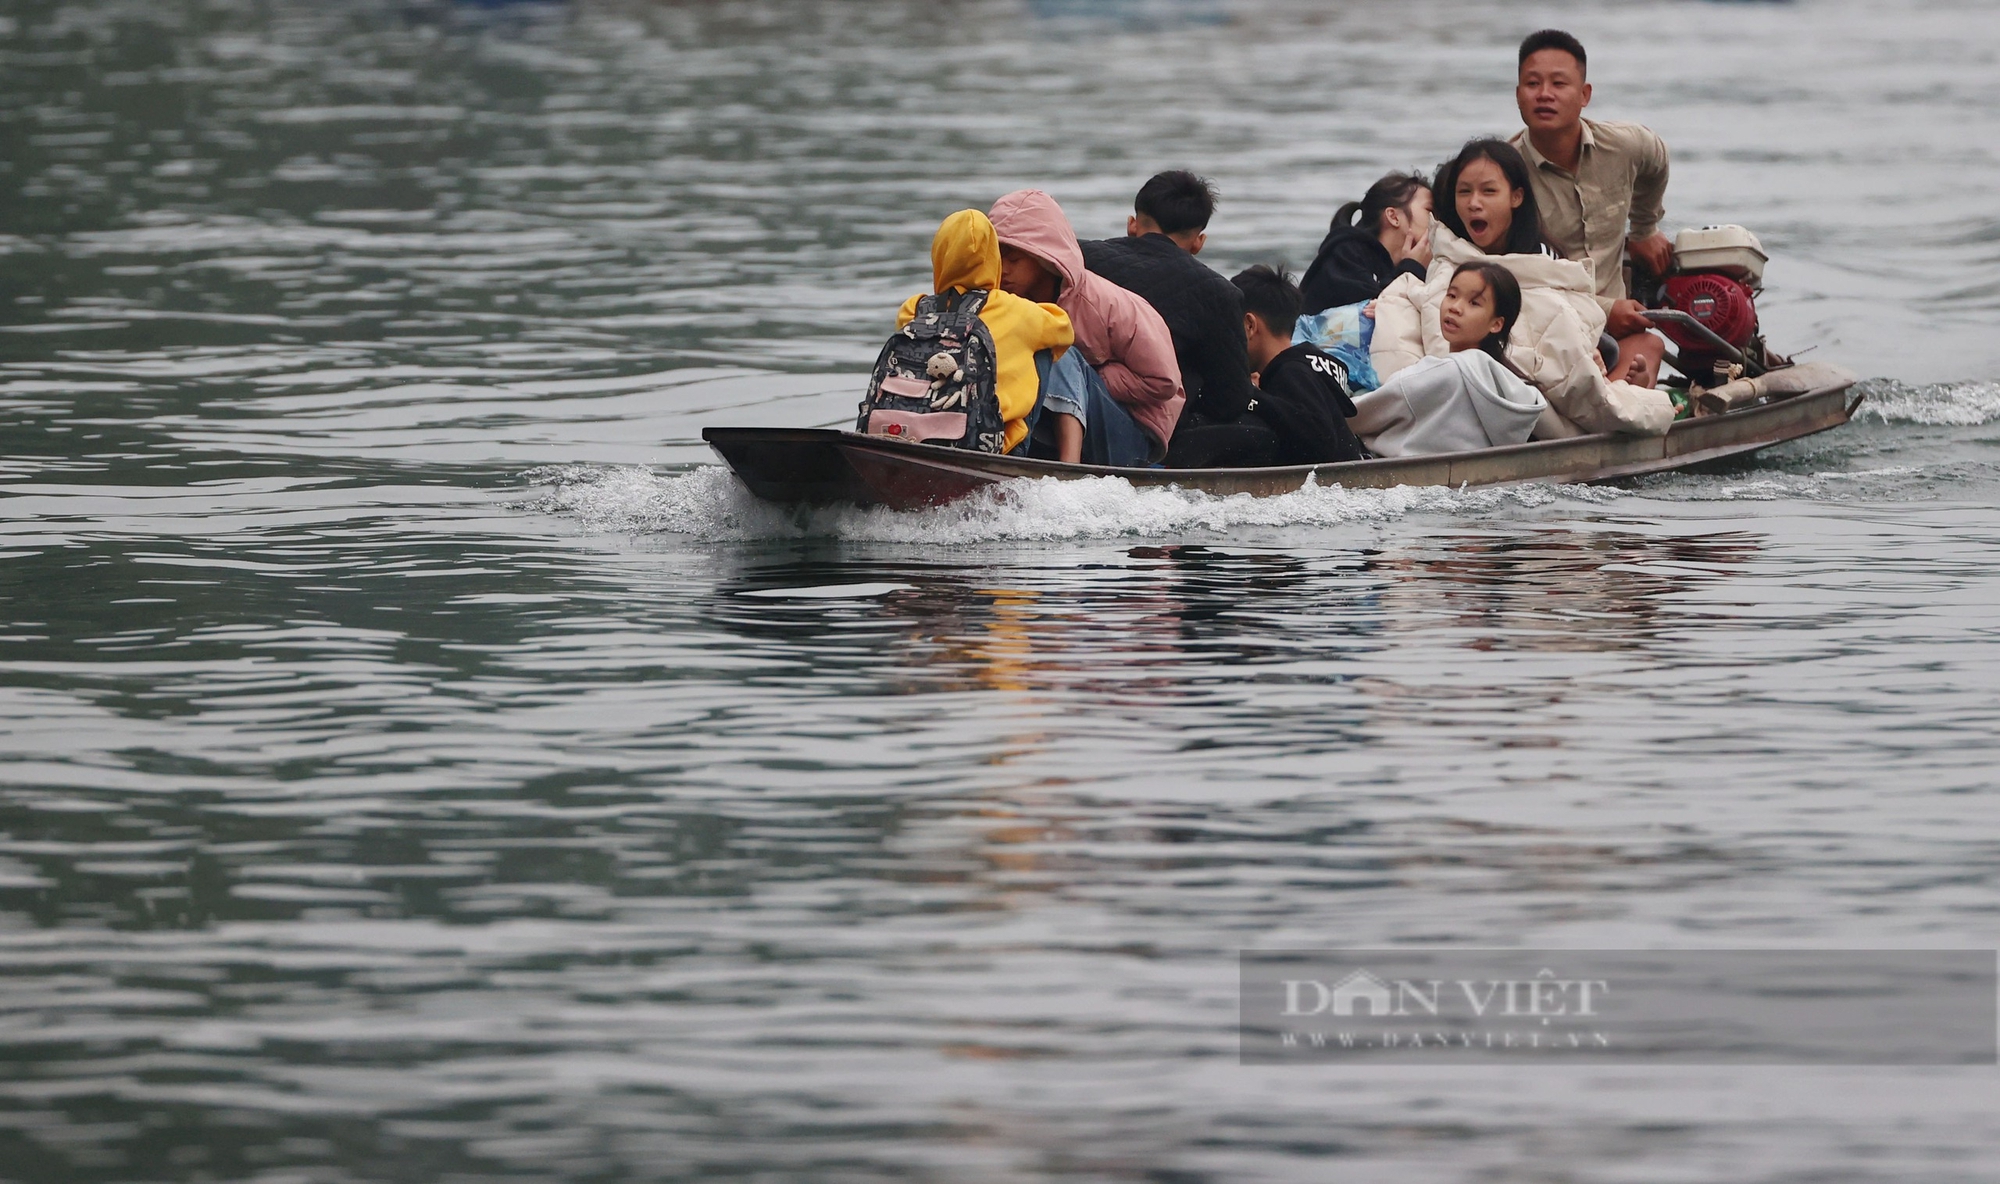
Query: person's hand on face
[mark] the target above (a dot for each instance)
(1421, 221)
(1415, 245)
(1413, 222)
(1418, 246)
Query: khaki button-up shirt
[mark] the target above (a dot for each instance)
(1620, 180)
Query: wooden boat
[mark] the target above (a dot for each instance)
(821, 466)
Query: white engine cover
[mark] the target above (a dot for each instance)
(1730, 250)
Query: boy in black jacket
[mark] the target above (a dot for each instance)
(1301, 393)
(1156, 259)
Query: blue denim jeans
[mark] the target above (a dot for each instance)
(1110, 435)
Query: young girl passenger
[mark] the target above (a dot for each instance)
(1480, 309)
(1470, 398)
(1372, 241)
(1484, 197)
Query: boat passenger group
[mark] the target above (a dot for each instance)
(1473, 310)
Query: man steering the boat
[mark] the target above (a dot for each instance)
(1601, 186)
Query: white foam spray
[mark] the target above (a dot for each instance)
(709, 503)
(1942, 404)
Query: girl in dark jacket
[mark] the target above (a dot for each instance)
(1371, 241)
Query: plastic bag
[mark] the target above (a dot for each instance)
(1346, 334)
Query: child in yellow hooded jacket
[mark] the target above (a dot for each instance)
(965, 254)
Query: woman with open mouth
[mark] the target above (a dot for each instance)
(1484, 196)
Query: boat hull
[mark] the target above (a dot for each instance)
(817, 466)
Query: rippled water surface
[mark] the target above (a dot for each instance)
(423, 763)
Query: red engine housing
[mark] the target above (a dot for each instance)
(1717, 301)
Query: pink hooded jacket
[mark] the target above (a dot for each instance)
(1119, 333)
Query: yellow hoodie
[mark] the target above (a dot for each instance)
(965, 254)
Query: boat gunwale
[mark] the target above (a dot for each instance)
(1601, 456)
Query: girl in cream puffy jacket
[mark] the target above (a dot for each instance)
(1554, 344)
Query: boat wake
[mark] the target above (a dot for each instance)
(1943, 404)
(709, 503)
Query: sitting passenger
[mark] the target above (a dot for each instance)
(1300, 414)
(1203, 312)
(1371, 241)
(1469, 398)
(1491, 216)
(1301, 391)
(1114, 398)
(965, 258)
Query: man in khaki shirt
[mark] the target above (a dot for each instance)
(1600, 186)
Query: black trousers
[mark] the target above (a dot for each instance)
(1247, 443)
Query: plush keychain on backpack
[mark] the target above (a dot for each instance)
(944, 370)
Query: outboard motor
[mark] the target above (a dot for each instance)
(1724, 306)
(1718, 271)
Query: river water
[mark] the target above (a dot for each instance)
(423, 763)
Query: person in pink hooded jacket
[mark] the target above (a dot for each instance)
(1122, 383)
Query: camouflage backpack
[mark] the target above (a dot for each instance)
(934, 381)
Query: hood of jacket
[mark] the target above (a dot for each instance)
(965, 254)
(1507, 407)
(1030, 220)
(1122, 337)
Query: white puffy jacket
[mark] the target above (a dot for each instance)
(1554, 342)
